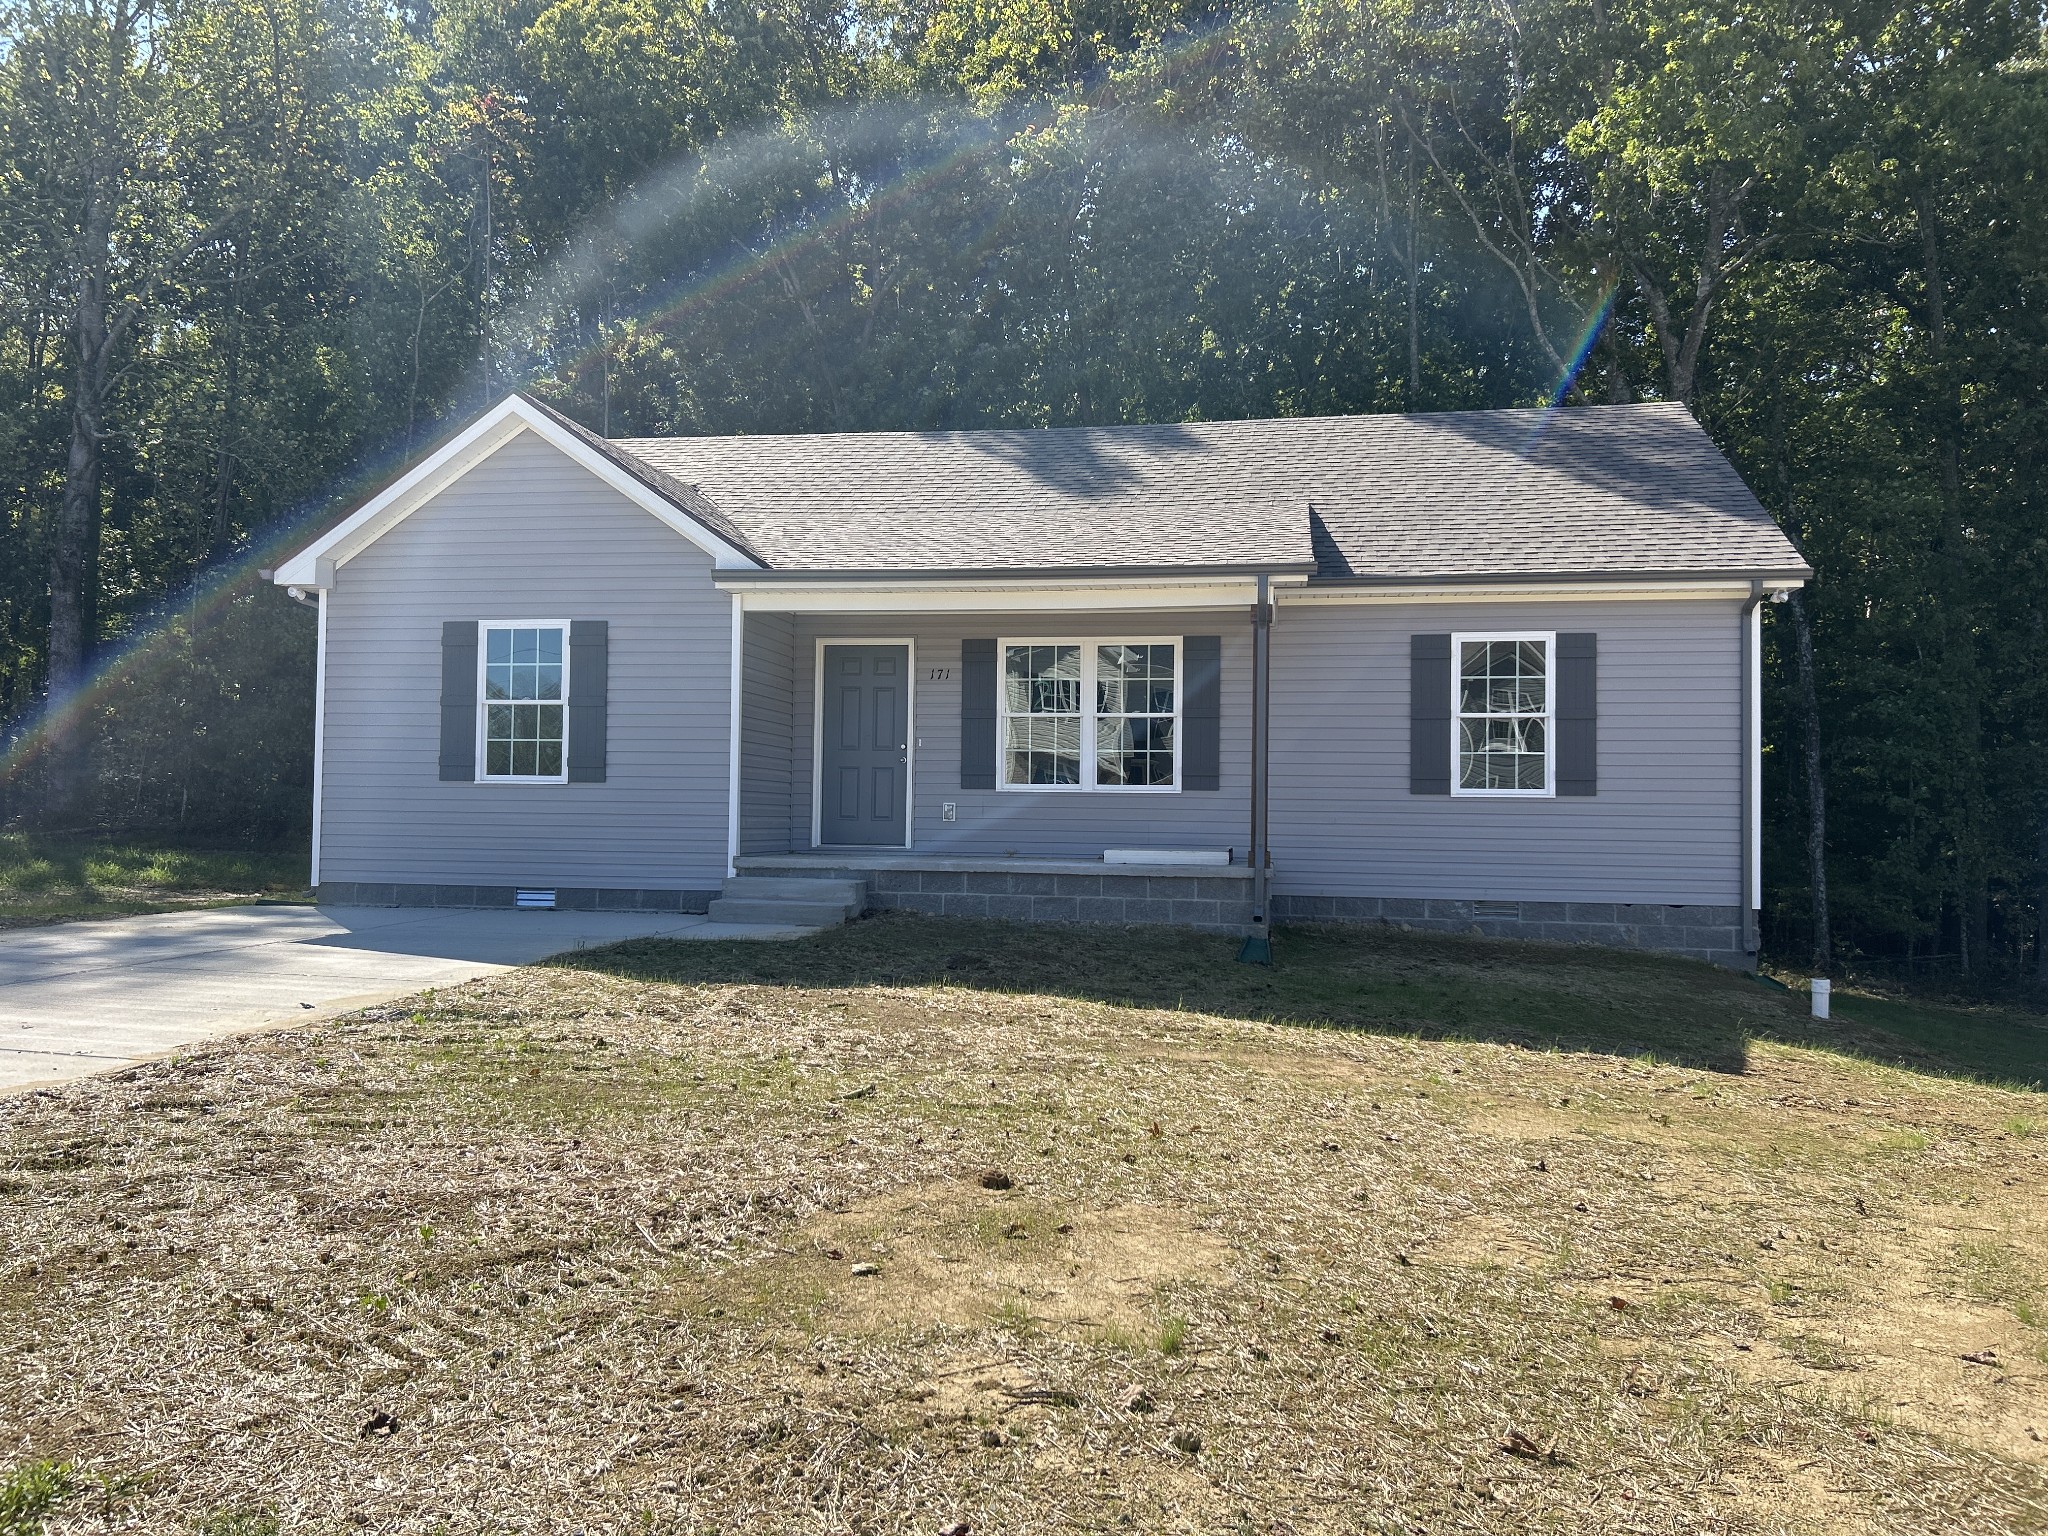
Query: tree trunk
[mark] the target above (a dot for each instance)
(1965, 685)
(1726, 251)
(1816, 784)
(230, 415)
(74, 553)
(1414, 297)
(1809, 707)
(1618, 391)
(95, 331)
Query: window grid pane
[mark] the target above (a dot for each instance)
(1503, 697)
(1042, 695)
(1116, 701)
(1134, 716)
(524, 719)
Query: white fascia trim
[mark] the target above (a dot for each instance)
(315, 565)
(1509, 592)
(993, 595)
(319, 733)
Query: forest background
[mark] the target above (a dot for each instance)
(254, 252)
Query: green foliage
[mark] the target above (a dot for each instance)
(31, 1493)
(242, 1523)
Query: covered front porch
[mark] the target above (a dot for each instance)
(1075, 751)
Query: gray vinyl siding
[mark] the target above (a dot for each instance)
(768, 706)
(1071, 824)
(1665, 827)
(528, 534)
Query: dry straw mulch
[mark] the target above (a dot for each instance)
(576, 1252)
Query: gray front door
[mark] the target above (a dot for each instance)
(865, 769)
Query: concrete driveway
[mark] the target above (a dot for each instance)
(78, 998)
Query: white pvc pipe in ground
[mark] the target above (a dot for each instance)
(1821, 987)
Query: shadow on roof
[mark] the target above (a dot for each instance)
(1090, 461)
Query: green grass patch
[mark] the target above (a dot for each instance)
(31, 1493)
(242, 1523)
(2001, 1044)
(47, 879)
(1996, 1273)
(1427, 986)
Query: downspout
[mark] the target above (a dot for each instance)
(1751, 747)
(1257, 945)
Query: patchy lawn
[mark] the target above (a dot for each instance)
(921, 1223)
(57, 879)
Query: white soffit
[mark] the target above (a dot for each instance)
(314, 565)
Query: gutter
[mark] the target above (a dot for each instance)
(1301, 572)
(1797, 573)
(1258, 942)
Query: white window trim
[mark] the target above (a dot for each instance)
(1088, 784)
(483, 656)
(1458, 643)
(909, 643)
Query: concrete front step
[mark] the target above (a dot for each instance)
(808, 914)
(830, 888)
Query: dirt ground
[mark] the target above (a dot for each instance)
(848, 1251)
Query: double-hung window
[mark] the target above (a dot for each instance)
(1501, 714)
(1091, 714)
(523, 705)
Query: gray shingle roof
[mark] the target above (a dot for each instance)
(1594, 490)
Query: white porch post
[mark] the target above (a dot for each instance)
(732, 785)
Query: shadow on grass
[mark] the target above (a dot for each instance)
(1425, 986)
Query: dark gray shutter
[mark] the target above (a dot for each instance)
(1201, 712)
(458, 700)
(1578, 714)
(589, 669)
(977, 714)
(1429, 714)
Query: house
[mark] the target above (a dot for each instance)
(1476, 670)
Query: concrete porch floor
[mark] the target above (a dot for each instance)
(821, 859)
